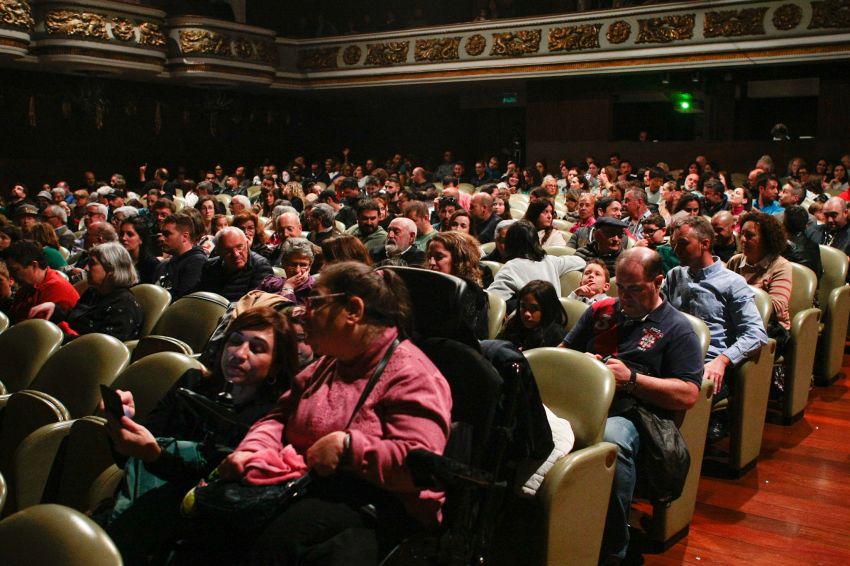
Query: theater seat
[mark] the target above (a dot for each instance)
(574, 309)
(23, 350)
(834, 302)
(150, 345)
(25, 412)
(493, 266)
(576, 490)
(800, 353)
(4, 322)
(33, 462)
(569, 282)
(53, 534)
(192, 319)
(559, 250)
(495, 314)
(149, 379)
(3, 491)
(154, 300)
(74, 373)
(488, 247)
(671, 522)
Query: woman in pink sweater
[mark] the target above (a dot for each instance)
(354, 317)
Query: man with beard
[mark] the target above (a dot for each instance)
(399, 248)
(368, 229)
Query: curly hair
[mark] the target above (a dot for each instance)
(773, 238)
(466, 255)
(259, 228)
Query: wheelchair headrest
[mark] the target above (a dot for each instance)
(437, 301)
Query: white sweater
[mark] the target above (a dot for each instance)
(517, 272)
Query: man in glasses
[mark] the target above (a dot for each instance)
(655, 238)
(608, 236)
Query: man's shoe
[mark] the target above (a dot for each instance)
(717, 428)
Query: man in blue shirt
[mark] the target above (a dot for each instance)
(656, 359)
(703, 287)
(767, 186)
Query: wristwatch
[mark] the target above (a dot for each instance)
(631, 385)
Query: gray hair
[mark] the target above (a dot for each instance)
(700, 226)
(58, 211)
(58, 191)
(296, 246)
(243, 199)
(205, 185)
(229, 230)
(104, 230)
(101, 208)
(127, 211)
(117, 262)
(504, 225)
(324, 213)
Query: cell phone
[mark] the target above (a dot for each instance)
(112, 402)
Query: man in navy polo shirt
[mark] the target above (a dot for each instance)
(656, 358)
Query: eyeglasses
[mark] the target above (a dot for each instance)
(313, 302)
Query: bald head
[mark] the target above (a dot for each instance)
(481, 206)
(288, 226)
(835, 213)
(647, 258)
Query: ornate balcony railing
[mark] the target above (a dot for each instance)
(126, 39)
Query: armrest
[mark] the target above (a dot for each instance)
(801, 325)
(4, 399)
(575, 497)
(33, 462)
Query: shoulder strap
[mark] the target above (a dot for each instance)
(373, 380)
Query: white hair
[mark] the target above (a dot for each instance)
(59, 212)
(101, 208)
(243, 200)
(127, 211)
(409, 224)
(229, 230)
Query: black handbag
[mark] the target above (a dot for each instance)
(663, 459)
(250, 507)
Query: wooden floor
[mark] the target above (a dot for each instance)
(793, 508)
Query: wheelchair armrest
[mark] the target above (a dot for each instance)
(433, 471)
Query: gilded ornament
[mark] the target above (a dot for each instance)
(734, 23)
(204, 42)
(440, 49)
(475, 44)
(123, 29)
(320, 59)
(787, 17)
(150, 34)
(666, 29)
(16, 14)
(266, 52)
(244, 48)
(351, 55)
(68, 22)
(574, 38)
(516, 43)
(384, 54)
(618, 32)
(830, 14)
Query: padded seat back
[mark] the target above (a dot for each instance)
(4, 322)
(763, 305)
(33, 462)
(487, 248)
(560, 250)
(150, 345)
(86, 461)
(23, 350)
(192, 319)
(701, 331)
(804, 283)
(575, 387)
(570, 282)
(3, 489)
(493, 266)
(74, 373)
(834, 272)
(150, 378)
(53, 534)
(154, 300)
(495, 314)
(574, 309)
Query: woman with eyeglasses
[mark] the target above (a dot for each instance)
(167, 449)
(107, 306)
(357, 320)
(249, 223)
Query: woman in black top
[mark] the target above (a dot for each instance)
(539, 320)
(135, 237)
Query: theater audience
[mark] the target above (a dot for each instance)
(461, 221)
(296, 257)
(595, 283)
(800, 248)
(43, 234)
(724, 225)
(135, 237)
(236, 269)
(539, 320)
(499, 253)
(37, 283)
(483, 219)
(344, 248)
(367, 229)
(540, 214)
(181, 272)
(607, 236)
(399, 247)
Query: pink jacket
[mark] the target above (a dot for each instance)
(409, 408)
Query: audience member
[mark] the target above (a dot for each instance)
(296, 257)
(540, 319)
(595, 283)
(608, 236)
(541, 214)
(483, 220)
(181, 272)
(399, 247)
(725, 243)
(367, 229)
(800, 248)
(37, 283)
(236, 269)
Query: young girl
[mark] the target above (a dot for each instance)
(539, 320)
(595, 283)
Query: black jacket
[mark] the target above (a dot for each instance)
(180, 275)
(804, 251)
(116, 314)
(233, 286)
(413, 257)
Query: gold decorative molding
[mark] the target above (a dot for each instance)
(243, 48)
(266, 51)
(618, 32)
(123, 29)
(205, 42)
(68, 22)
(574, 38)
(734, 23)
(516, 43)
(828, 14)
(151, 34)
(320, 59)
(666, 29)
(787, 17)
(17, 14)
(384, 54)
(475, 45)
(351, 55)
(439, 49)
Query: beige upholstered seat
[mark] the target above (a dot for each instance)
(4, 322)
(487, 248)
(150, 378)
(74, 374)
(3, 492)
(560, 250)
(155, 344)
(192, 319)
(53, 534)
(23, 350)
(154, 300)
(493, 266)
(574, 309)
(576, 490)
(834, 302)
(495, 314)
(569, 282)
